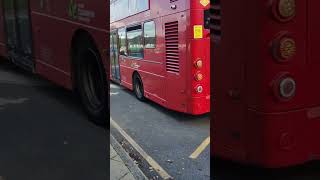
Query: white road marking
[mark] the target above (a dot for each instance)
(148, 158)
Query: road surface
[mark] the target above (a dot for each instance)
(43, 132)
(168, 137)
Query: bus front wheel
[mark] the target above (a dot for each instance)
(138, 87)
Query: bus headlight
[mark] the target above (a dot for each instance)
(199, 89)
(287, 87)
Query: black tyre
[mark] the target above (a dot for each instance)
(138, 87)
(91, 83)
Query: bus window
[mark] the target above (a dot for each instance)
(122, 42)
(137, 6)
(115, 5)
(149, 34)
(135, 44)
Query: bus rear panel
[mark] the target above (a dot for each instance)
(266, 101)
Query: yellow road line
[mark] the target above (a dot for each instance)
(200, 149)
(148, 158)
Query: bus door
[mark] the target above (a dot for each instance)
(18, 32)
(114, 57)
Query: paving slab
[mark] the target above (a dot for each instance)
(118, 169)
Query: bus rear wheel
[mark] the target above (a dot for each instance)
(91, 83)
(138, 87)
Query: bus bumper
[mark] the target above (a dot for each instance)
(199, 105)
(275, 140)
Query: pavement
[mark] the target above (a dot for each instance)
(122, 166)
(118, 169)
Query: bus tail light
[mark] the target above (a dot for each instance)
(287, 48)
(285, 10)
(199, 89)
(284, 48)
(198, 76)
(287, 87)
(198, 64)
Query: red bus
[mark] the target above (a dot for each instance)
(160, 50)
(65, 41)
(265, 61)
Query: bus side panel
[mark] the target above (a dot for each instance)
(2, 33)
(53, 32)
(154, 80)
(163, 8)
(126, 72)
(176, 84)
(52, 37)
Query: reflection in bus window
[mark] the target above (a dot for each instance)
(149, 34)
(128, 8)
(135, 45)
(122, 42)
(114, 9)
(136, 6)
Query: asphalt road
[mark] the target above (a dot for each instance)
(44, 134)
(168, 137)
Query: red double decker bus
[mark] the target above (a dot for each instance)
(160, 50)
(265, 66)
(65, 41)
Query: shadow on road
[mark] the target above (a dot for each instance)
(61, 95)
(173, 114)
(226, 170)
(44, 133)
